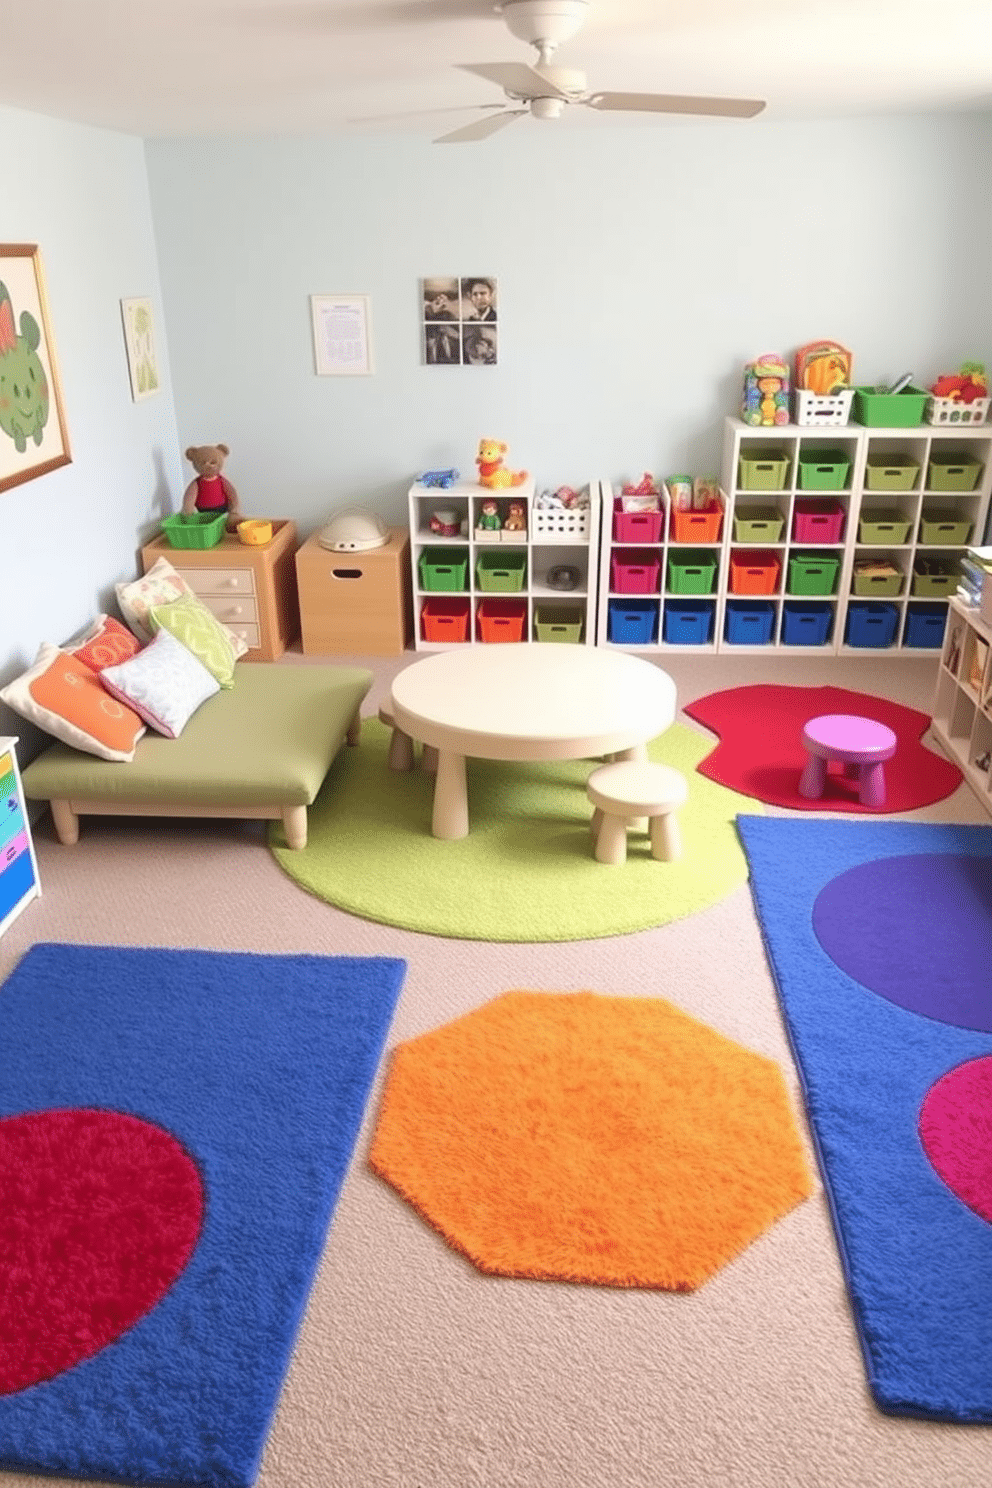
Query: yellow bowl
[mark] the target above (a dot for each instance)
(255, 533)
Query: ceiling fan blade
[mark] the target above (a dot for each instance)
(481, 129)
(678, 103)
(515, 77)
(455, 108)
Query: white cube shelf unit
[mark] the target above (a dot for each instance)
(478, 585)
(879, 517)
(661, 576)
(962, 710)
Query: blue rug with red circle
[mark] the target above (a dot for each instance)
(878, 936)
(175, 1127)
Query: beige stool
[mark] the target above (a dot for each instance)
(401, 747)
(624, 794)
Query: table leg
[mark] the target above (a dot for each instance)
(450, 819)
(635, 752)
(872, 792)
(814, 778)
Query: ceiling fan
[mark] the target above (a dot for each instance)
(545, 91)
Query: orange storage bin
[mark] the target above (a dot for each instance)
(754, 572)
(697, 526)
(501, 619)
(443, 618)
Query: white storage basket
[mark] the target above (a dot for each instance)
(823, 410)
(953, 411)
(560, 523)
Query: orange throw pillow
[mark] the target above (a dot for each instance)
(65, 698)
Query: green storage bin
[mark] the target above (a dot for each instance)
(890, 528)
(868, 585)
(812, 573)
(197, 530)
(443, 569)
(558, 623)
(823, 470)
(944, 529)
(692, 571)
(891, 472)
(767, 471)
(759, 524)
(499, 572)
(889, 410)
(946, 473)
(935, 578)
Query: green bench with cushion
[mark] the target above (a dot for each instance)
(260, 749)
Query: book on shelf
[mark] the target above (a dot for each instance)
(976, 665)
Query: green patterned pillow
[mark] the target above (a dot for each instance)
(200, 632)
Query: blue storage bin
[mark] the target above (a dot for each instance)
(688, 622)
(871, 625)
(632, 622)
(805, 623)
(749, 622)
(925, 626)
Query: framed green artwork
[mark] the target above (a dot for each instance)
(33, 436)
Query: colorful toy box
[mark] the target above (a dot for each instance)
(765, 395)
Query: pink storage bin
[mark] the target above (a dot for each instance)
(635, 572)
(636, 526)
(818, 521)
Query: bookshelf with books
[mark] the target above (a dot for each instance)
(962, 710)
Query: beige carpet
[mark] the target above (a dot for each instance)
(413, 1370)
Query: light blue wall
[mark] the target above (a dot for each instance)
(82, 196)
(638, 267)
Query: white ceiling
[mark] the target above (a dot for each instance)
(236, 67)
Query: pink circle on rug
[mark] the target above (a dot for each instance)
(100, 1213)
(956, 1132)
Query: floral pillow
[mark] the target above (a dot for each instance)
(164, 684)
(160, 585)
(63, 696)
(200, 632)
(104, 643)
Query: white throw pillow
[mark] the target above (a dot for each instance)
(164, 684)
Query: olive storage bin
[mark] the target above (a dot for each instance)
(888, 528)
(501, 572)
(823, 470)
(947, 473)
(691, 571)
(766, 471)
(886, 580)
(944, 528)
(812, 573)
(558, 623)
(758, 524)
(935, 577)
(891, 472)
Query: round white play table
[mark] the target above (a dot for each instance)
(524, 701)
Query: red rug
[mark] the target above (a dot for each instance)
(761, 752)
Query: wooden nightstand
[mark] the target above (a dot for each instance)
(253, 590)
(355, 604)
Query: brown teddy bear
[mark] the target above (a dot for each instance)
(211, 492)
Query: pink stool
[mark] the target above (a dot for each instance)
(860, 744)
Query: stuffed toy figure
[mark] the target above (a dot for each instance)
(211, 492)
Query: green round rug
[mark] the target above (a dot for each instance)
(526, 871)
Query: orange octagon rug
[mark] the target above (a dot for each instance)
(579, 1137)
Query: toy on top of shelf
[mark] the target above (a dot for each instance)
(441, 479)
(445, 523)
(705, 493)
(492, 472)
(964, 386)
(680, 492)
(489, 517)
(211, 492)
(823, 367)
(647, 486)
(765, 397)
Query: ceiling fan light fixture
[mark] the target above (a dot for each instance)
(544, 23)
(547, 108)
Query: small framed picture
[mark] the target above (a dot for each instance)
(139, 339)
(342, 335)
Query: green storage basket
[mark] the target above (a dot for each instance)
(823, 470)
(889, 410)
(499, 572)
(758, 524)
(889, 528)
(944, 529)
(868, 586)
(558, 623)
(691, 571)
(812, 573)
(945, 473)
(891, 472)
(198, 530)
(443, 569)
(766, 471)
(935, 578)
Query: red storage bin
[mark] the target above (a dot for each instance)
(445, 619)
(635, 527)
(634, 571)
(818, 521)
(501, 619)
(697, 526)
(754, 572)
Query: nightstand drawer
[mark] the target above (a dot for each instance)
(234, 611)
(250, 634)
(207, 581)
